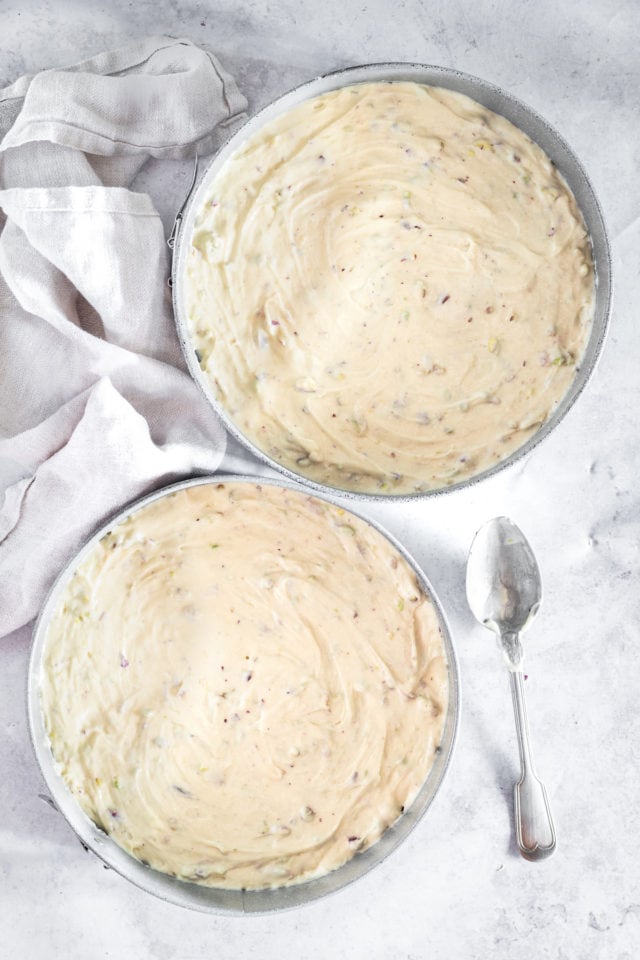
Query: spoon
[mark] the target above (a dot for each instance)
(504, 591)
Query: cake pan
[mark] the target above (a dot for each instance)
(495, 99)
(193, 895)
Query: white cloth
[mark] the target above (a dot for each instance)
(95, 405)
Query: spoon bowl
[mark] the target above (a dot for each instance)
(504, 587)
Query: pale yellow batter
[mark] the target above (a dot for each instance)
(389, 288)
(244, 685)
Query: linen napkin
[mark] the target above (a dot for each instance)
(96, 407)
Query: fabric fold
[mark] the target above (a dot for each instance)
(162, 97)
(96, 406)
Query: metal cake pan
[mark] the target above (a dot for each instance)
(495, 99)
(193, 895)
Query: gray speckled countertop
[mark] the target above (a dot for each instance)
(456, 888)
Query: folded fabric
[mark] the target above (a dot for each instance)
(96, 407)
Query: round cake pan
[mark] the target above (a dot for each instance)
(193, 895)
(495, 99)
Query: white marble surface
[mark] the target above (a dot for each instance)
(457, 888)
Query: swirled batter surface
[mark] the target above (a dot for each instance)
(244, 685)
(389, 288)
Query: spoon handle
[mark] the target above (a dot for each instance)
(535, 832)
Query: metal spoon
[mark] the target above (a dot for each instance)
(504, 591)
